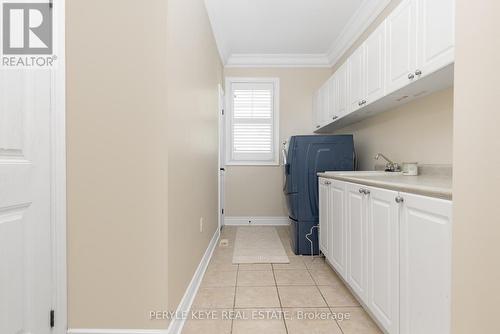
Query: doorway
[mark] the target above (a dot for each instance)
(222, 158)
(32, 194)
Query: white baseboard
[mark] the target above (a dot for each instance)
(177, 324)
(260, 221)
(115, 331)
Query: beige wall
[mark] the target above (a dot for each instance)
(116, 163)
(194, 71)
(142, 156)
(476, 213)
(257, 190)
(420, 131)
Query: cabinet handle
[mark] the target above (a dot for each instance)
(360, 103)
(328, 183)
(361, 191)
(318, 126)
(363, 102)
(335, 117)
(399, 199)
(411, 76)
(367, 192)
(418, 72)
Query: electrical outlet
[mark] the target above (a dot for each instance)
(201, 224)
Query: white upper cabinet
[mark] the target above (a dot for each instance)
(315, 110)
(357, 79)
(415, 41)
(436, 35)
(332, 99)
(342, 97)
(374, 68)
(401, 45)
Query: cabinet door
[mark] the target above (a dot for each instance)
(356, 79)
(401, 46)
(337, 233)
(324, 203)
(425, 265)
(332, 99)
(383, 259)
(436, 35)
(315, 110)
(342, 96)
(356, 239)
(323, 104)
(375, 64)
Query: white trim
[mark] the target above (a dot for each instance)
(277, 60)
(359, 22)
(276, 120)
(58, 170)
(256, 221)
(220, 156)
(115, 331)
(177, 324)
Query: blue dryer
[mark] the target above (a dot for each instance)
(307, 156)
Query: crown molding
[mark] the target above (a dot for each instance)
(277, 60)
(359, 22)
(368, 11)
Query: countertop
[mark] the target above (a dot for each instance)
(433, 182)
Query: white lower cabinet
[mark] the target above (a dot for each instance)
(324, 213)
(337, 231)
(356, 239)
(383, 259)
(425, 261)
(393, 250)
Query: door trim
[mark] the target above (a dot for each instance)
(58, 172)
(221, 157)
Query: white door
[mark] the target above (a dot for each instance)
(401, 46)
(26, 265)
(357, 79)
(436, 35)
(356, 239)
(383, 259)
(375, 64)
(425, 265)
(324, 200)
(222, 158)
(337, 231)
(342, 90)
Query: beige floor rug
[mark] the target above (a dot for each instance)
(258, 244)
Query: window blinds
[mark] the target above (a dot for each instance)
(252, 122)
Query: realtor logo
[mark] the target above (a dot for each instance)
(27, 28)
(27, 38)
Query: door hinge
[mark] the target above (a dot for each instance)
(222, 211)
(52, 318)
(222, 111)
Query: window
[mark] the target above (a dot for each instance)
(252, 121)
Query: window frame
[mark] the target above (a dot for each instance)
(230, 161)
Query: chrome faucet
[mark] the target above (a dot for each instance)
(390, 166)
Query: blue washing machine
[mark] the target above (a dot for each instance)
(306, 156)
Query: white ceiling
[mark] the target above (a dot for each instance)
(288, 32)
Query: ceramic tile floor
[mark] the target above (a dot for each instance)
(304, 296)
